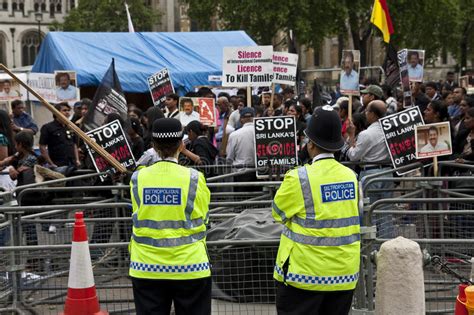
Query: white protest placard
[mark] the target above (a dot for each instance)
(45, 85)
(433, 140)
(10, 89)
(247, 66)
(284, 68)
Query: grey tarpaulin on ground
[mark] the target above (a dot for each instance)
(232, 276)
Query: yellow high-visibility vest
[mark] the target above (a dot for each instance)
(320, 243)
(170, 212)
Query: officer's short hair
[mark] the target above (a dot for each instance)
(166, 149)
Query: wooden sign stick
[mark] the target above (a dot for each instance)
(91, 143)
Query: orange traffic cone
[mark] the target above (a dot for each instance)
(460, 308)
(81, 295)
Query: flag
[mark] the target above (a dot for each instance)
(292, 48)
(381, 19)
(129, 18)
(108, 99)
(390, 66)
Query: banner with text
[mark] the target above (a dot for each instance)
(284, 68)
(112, 138)
(45, 85)
(275, 145)
(247, 66)
(399, 131)
(160, 85)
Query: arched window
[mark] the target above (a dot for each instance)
(3, 48)
(72, 4)
(51, 9)
(30, 44)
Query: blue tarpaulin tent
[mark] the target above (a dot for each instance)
(190, 57)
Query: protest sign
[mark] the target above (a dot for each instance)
(403, 65)
(198, 108)
(275, 144)
(466, 81)
(349, 80)
(247, 66)
(108, 99)
(415, 61)
(6, 106)
(433, 140)
(160, 85)
(112, 138)
(399, 131)
(66, 86)
(45, 85)
(10, 89)
(284, 68)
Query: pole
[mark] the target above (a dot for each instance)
(435, 166)
(111, 160)
(349, 110)
(249, 96)
(271, 97)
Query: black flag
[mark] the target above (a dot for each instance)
(292, 48)
(108, 99)
(391, 68)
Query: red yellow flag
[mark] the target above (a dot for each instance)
(381, 18)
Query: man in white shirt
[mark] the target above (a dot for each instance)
(171, 104)
(370, 147)
(241, 148)
(65, 91)
(7, 92)
(188, 113)
(433, 145)
(349, 77)
(415, 70)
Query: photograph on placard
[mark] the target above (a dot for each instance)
(416, 61)
(66, 86)
(9, 90)
(349, 80)
(433, 140)
(188, 111)
(197, 108)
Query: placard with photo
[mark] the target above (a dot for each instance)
(433, 140)
(350, 65)
(66, 86)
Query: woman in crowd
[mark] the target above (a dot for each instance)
(435, 112)
(459, 129)
(467, 153)
(297, 112)
(135, 112)
(7, 146)
(201, 150)
(135, 133)
(153, 113)
(22, 162)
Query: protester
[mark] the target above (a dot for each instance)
(164, 245)
(435, 112)
(135, 112)
(458, 96)
(57, 143)
(135, 132)
(459, 129)
(297, 112)
(369, 94)
(22, 121)
(278, 107)
(467, 145)
(204, 152)
(265, 98)
(224, 112)
(288, 93)
(171, 103)
(23, 161)
(307, 108)
(7, 146)
(431, 91)
(344, 115)
(77, 112)
(153, 113)
(390, 101)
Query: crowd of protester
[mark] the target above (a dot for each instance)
(231, 140)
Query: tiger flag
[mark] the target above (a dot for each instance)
(381, 19)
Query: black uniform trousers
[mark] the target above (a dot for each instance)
(190, 297)
(294, 301)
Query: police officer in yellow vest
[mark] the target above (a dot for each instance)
(168, 256)
(317, 265)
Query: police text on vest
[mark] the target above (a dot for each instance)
(162, 196)
(338, 192)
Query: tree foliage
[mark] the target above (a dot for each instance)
(110, 16)
(422, 24)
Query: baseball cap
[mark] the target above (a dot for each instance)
(374, 90)
(247, 112)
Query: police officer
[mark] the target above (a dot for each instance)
(317, 265)
(168, 257)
